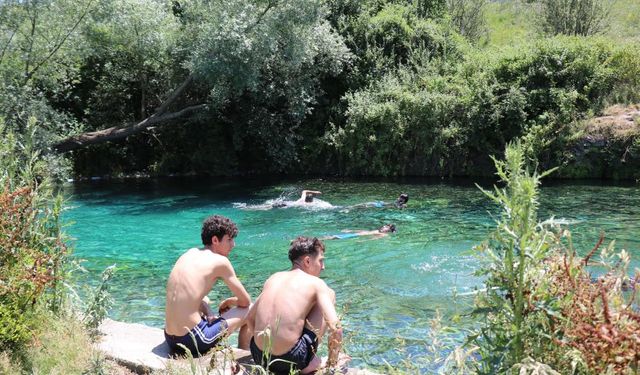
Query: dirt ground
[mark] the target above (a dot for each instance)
(617, 122)
(113, 368)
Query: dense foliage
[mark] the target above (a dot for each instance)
(375, 87)
(442, 120)
(35, 267)
(32, 253)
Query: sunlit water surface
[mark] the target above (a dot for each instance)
(388, 289)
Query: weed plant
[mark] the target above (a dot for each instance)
(99, 302)
(40, 333)
(223, 360)
(33, 252)
(441, 354)
(544, 311)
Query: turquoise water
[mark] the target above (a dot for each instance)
(387, 289)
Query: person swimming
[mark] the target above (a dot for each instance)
(378, 233)
(307, 196)
(307, 200)
(400, 202)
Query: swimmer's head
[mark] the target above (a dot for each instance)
(308, 198)
(387, 228)
(402, 200)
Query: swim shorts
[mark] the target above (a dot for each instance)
(298, 357)
(343, 236)
(200, 339)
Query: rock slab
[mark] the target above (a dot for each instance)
(143, 350)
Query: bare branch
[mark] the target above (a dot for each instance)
(60, 43)
(270, 5)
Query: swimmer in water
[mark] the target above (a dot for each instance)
(307, 196)
(378, 233)
(306, 199)
(400, 202)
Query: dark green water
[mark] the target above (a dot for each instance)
(387, 289)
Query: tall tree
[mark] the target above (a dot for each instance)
(234, 48)
(41, 52)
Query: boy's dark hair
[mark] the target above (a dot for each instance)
(308, 198)
(302, 246)
(218, 226)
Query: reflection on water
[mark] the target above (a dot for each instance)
(388, 289)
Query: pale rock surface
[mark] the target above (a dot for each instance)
(143, 350)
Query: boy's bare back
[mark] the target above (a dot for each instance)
(286, 301)
(190, 281)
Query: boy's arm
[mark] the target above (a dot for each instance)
(240, 296)
(304, 193)
(205, 310)
(251, 315)
(326, 301)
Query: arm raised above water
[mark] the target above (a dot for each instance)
(304, 193)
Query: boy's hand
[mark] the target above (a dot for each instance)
(227, 304)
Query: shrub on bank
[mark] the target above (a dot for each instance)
(33, 252)
(39, 332)
(443, 118)
(543, 309)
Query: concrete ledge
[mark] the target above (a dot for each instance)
(143, 350)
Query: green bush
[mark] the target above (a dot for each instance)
(34, 263)
(393, 130)
(540, 310)
(33, 253)
(442, 116)
(15, 328)
(575, 17)
(625, 63)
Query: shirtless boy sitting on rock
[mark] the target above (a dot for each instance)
(292, 313)
(188, 318)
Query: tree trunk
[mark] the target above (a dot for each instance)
(116, 133)
(160, 117)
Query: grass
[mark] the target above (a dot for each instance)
(510, 22)
(625, 21)
(62, 346)
(513, 21)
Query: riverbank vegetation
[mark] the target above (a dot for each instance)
(340, 87)
(546, 308)
(43, 328)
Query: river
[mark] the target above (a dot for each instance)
(388, 289)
